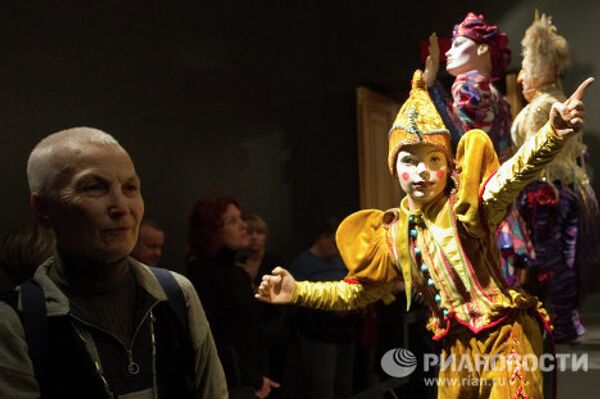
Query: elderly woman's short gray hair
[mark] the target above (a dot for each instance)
(43, 165)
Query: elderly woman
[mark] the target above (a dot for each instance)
(111, 328)
(440, 240)
(217, 235)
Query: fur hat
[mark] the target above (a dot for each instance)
(544, 48)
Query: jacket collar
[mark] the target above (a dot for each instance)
(57, 303)
(430, 211)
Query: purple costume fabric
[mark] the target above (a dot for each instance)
(552, 213)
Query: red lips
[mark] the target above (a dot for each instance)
(424, 184)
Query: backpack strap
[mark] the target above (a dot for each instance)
(174, 293)
(35, 325)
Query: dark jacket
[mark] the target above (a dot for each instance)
(74, 352)
(234, 315)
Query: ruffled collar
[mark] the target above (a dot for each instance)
(429, 211)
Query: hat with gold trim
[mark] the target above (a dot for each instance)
(418, 122)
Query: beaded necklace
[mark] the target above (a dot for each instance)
(429, 290)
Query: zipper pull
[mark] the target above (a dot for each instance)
(133, 367)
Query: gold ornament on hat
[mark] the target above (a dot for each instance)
(418, 122)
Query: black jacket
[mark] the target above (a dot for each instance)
(234, 315)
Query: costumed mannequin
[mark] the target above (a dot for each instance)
(477, 58)
(440, 241)
(560, 209)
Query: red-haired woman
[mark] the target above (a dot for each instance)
(217, 232)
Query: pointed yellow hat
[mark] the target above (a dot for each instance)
(418, 122)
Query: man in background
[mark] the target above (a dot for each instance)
(324, 348)
(148, 248)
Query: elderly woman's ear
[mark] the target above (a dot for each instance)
(40, 208)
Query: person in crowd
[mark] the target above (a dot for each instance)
(560, 207)
(258, 260)
(149, 246)
(325, 342)
(441, 242)
(218, 235)
(106, 327)
(22, 249)
(274, 334)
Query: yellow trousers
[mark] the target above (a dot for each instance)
(512, 376)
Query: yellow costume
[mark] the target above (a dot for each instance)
(447, 252)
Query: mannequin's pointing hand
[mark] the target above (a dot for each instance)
(568, 117)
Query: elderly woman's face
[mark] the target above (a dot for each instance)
(99, 206)
(234, 233)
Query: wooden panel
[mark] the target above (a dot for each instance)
(375, 115)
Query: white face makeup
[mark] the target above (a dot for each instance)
(462, 56)
(422, 172)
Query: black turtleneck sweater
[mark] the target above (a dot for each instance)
(227, 296)
(106, 297)
(100, 294)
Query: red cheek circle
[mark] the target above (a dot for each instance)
(440, 174)
(405, 176)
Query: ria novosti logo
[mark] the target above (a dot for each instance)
(399, 362)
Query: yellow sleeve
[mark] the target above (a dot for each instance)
(476, 161)
(363, 244)
(372, 273)
(338, 295)
(514, 174)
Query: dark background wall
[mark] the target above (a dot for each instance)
(252, 99)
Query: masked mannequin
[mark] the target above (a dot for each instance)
(477, 58)
(561, 208)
